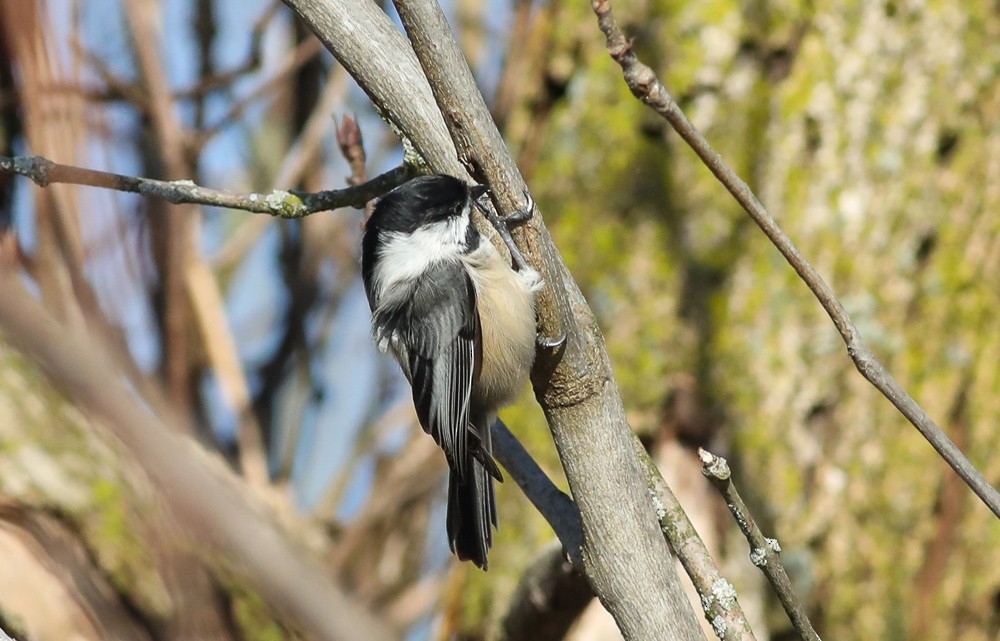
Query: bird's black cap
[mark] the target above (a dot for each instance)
(422, 200)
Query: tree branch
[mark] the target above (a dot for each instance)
(279, 203)
(548, 600)
(645, 86)
(232, 534)
(366, 41)
(557, 508)
(763, 551)
(718, 597)
(576, 390)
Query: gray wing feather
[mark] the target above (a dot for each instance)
(436, 329)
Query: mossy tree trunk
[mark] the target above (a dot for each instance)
(89, 549)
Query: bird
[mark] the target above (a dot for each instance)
(460, 321)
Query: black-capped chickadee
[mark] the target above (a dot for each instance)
(461, 322)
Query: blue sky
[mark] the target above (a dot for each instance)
(318, 435)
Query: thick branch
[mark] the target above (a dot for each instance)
(644, 84)
(283, 204)
(364, 39)
(583, 406)
(763, 551)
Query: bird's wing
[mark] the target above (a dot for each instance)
(437, 329)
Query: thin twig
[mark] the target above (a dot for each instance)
(552, 503)
(352, 146)
(718, 597)
(763, 551)
(645, 86)
(279, 203)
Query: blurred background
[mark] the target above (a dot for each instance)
(871, 130)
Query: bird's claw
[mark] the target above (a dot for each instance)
(504, 225)
(545, 342)
(522, 215)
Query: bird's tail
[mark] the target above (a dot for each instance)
(472, 513)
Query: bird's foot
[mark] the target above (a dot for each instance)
(545, 342)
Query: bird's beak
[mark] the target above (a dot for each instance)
(477, 192)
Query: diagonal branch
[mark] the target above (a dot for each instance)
(574, 387)
(763, 551)
(644, 84)
(230, 530)
(557, 508)
(718, 597)
(279, 203)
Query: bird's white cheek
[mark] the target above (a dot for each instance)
(407, 256)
